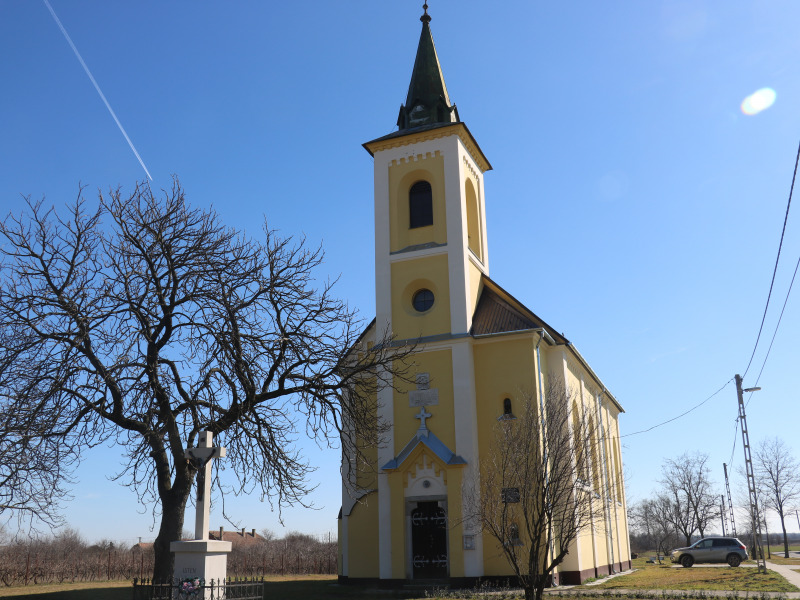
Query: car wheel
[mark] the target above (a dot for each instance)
(687, 561)
(734, 560)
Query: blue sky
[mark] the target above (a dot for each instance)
(632, 205)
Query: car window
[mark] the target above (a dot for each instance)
(703, 544)
(722, 542)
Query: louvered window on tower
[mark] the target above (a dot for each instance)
(420, 204)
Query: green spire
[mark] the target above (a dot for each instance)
(427, 102)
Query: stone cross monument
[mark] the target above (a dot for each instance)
(202, 558)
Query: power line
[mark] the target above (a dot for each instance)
(777, 259)
(735, 433)
(695, 407)
(775, 333)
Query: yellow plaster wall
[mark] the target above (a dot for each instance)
(339, 551)
(455, 530)
(398, 525)
(408, 277)
(504, 368)
(402, 175)
(439, 365)
(362, 538)
(366, 465)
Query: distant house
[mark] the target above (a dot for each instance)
(142, 547)
(239, 538)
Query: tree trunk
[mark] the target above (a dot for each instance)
(530, 593)
(173, 505)
(785, 539)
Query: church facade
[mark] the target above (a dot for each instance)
(482, 353)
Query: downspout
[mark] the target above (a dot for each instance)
(607, 490)
(544, 335)
(591, 496)
(618, 474)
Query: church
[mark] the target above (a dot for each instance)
(481, 354)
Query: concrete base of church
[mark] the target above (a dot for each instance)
(201, 559)
(578, 577)
(564, 578)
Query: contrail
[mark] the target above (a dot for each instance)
(97, 87)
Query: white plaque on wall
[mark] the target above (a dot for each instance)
(423, 397)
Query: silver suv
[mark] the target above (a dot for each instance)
(711, 550)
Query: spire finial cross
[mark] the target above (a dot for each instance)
(425, 18)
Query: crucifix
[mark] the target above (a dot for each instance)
(422, 415)
(201, 457)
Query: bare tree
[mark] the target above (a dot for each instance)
(655, 518)
(531, 497)
(778, 476)
(33, 465)
(145, 322)
(686, 480)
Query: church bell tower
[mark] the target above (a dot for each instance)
(430, 257)
(430, 218)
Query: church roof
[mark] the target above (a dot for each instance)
(427, 438)
(499, 312)
(427, 101)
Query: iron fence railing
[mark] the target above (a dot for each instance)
(232, 589)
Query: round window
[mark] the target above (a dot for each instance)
(422, 300)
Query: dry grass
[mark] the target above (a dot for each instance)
(95, 590)
(742, 579)
(288, 587)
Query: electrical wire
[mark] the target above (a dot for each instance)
(777, 259)
(695, 407)
(735, 434)
(775, 333)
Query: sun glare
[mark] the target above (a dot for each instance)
(758, 101)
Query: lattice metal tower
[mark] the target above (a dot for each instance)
(751, 479)
(730, 502)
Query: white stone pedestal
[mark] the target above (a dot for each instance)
(203, 559)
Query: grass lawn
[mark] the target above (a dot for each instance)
(94, 590)
(311, 587)
(664, 577)
(779, 560)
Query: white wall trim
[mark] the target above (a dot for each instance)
(466, 430)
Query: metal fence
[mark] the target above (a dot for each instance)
(238, 589)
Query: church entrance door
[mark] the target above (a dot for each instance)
(429, 541)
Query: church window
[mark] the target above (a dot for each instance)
(422, 300)
(507, 412)
(420, 205)
(473, 219)
(513, 535)
(507, 406)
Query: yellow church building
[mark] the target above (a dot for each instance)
(481, 353)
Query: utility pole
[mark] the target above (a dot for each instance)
(722, 513)
(730, 502)
(751, 479)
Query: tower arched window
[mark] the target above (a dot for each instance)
(420, 205)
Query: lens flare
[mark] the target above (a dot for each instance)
(758, 101)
